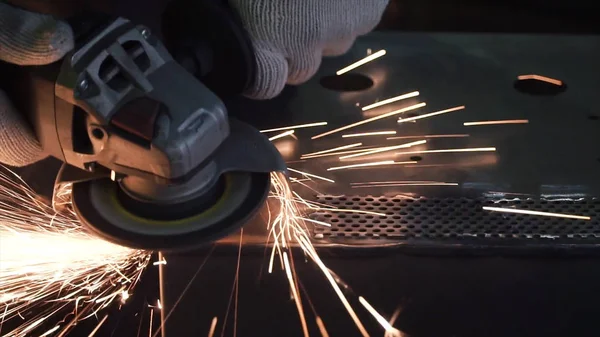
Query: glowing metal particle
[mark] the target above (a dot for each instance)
(151, 322)
(393, 182)
(311, 175)
(431, 114)
(378, 163)
(69, 269)
(430, 136)
(124, 296)
(321, 327)
(540, 78)
(406, 184)
(498, 122)
(342, 210)
(391, 100)
(97, 326)
(286, 227)
(281, 135)
(213, 327)
(529, 212)
(51, 331)
(369, 120)
(337, 153)
(309, 250)
(473, 149)
(159, 262)
(384, 149)
(288, 272)
(299, 126)
(315, 221)
(367, 134)
(344, 147)
(384, 323)
(361, 62)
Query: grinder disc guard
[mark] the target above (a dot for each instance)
(99, 206)
(244, 162)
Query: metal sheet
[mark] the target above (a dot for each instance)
(554, 156)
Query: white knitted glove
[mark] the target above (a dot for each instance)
(26, 39)
(291, 36)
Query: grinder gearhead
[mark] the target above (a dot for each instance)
(154, 160)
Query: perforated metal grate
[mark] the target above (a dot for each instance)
(455, 218)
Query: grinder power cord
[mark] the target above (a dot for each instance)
(137, 118)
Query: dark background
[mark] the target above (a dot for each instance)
(439, 295)
(531, 16)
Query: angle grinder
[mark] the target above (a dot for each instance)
(137, 118)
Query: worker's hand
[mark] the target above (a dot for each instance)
(291, 36)
(26, 38)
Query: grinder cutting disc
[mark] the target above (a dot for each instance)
(99, 205)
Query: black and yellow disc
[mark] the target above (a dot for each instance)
(100, 206)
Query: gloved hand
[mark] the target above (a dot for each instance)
(291, 36)
(26, 39)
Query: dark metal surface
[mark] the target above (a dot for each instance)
(554, 157)
(556, 153)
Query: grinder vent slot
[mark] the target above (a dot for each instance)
(111, 73)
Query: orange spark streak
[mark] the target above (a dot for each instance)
(407, 163)
(151, 319)
(315, 221)
(406, 184)
(97, 326)
(389, 114)
(332, 150)
(393, 182)
(540, 78)
(378, 163)
(162, 261)
(498, 122)
(309, 250)
(70, 269)
(53, 330)
(367, 134)
(382, 321)
(410, 119)
(337, 153)
(391, 100)
(299, 126)
(474, 149)
(281, 135)
(430, 136)
(525, 211)
(311, 175)
(321, 327)
(384, 149)
(288, 272)
(348, 211)
(361, 62)
(213, 327)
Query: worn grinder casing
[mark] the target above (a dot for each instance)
(154, 159)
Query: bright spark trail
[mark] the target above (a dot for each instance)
(288, 228)
(50, 268)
